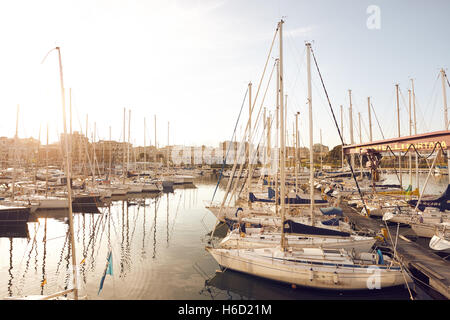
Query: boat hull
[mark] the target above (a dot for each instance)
(308, 275)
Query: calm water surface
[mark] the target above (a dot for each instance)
(157, 245)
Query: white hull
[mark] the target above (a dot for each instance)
(284, 267)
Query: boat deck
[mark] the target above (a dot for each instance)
(421, 262)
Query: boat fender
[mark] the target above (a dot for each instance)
(380, 257)
(384, 232)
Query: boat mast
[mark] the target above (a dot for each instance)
(444, 97)
(296, 152)
(16, 137)
(410, 133)
(269, 153)
(167, 151)
(123, 147)
(277, 140)
(360, 141)
(415, 132)
(264, 166)
(86, 146)
(94, 155)
(69, 187)
(129, 141)
(342, 132)
(145, 151)
(46, 166)
(370, 120)
(311, 158)
(70, 126)
(352, 161)
(249, 178)
(110, 153)
(282, 140)
(398, 123)
(156, 150)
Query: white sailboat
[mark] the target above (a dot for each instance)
(329, 269)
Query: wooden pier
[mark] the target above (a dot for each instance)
(422, 263)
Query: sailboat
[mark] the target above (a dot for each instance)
(311, 267)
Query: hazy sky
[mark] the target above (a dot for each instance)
(189, 62)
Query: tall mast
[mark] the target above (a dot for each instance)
(123, 147)
(269, 153)
(70, 130)
(370, 119)
(282, 139)
(444, 97)
(398, 123)
(296, 152)
(86, 147)
(129, 141)
(46, 166)
(410, 133)
(156, 146)
(415, 132)
(69, 187)
(311, 139)
(145, 151)
(36, 162)
(249, 178)
(342, 133)
(360, 141)
(351, 127)
(168, 124)
(94, 156)
(277, 140)
(265, 145)
(110, 152)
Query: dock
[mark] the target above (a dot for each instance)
(421, 262)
